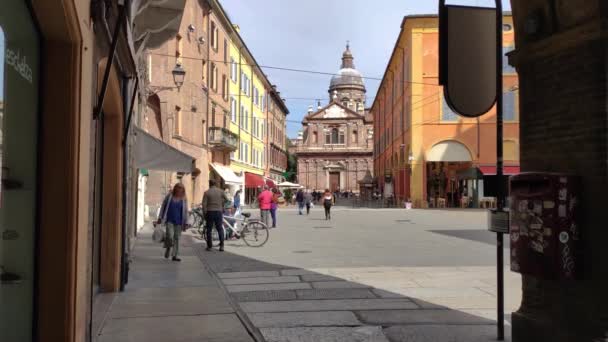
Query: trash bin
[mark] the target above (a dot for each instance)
(545, 235)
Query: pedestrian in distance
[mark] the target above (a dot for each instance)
(308, 201)
(174, 215)
(300, 201)
(228, 205)
(265, 201)
(328, 201)
(237, 202)
(213, 207)
(274, 206)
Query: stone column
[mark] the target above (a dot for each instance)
(562, 61)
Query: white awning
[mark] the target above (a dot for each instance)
(289, 185)
(227, 174)
(155, 22)
(449, 151)
(154, 154)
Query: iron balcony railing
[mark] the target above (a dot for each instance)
(221, 138)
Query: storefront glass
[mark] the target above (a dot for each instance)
(19, 56)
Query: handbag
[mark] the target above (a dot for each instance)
(159, 234)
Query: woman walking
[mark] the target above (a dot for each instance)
(173, 214)
(274, 206)
(328, 201)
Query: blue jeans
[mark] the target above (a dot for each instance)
(300, 207)
(273, 213)
(215, 218)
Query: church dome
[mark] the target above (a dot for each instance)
(348, 76)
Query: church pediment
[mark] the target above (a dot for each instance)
(334, 111)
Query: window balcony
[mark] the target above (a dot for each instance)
(221, 139)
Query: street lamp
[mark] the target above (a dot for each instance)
(179, 74)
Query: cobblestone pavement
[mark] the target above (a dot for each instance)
(369, 275)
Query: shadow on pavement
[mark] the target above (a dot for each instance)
(293, 304)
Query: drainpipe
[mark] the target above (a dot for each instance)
(124, 267)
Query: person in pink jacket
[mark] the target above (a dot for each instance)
(265, 201)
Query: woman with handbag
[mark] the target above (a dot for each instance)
(174, 215)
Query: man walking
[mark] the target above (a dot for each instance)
(308, 201)
(265, 200)
(213, 206)
(300, 201)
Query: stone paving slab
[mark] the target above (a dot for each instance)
(335, 294)
(230, 275)
(304, 319)
(444, 333)
(338, 285)
(488, 302)
(333, 334)
(261, 280)
(268, 287)
(442, 316)
(264, 296)
(216, 328)
(319, 277)
(297, 272)
(170, 301)
(433, 292)
(329, 305)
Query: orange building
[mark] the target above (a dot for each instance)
(425, 153)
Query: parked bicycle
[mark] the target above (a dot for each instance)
(196, 219)
(252, 231)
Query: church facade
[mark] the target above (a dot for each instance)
(335, 147)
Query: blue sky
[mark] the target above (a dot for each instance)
(312, 35)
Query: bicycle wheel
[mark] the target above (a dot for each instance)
(255, 234)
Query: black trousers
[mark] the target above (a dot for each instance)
(327, 210)
(215, 219)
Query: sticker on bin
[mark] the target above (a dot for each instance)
(549, 204)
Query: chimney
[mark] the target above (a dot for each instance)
(319, 105)
(309, 109)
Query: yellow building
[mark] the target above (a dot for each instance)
(248, 90)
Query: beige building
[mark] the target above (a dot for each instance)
(276, 136)
(334, 150)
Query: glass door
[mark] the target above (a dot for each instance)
(19, 56)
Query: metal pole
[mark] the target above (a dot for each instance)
(110, 61)
(499, 172)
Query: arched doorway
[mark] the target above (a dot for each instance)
(443, 161)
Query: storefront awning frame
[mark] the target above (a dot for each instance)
(154, 154)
